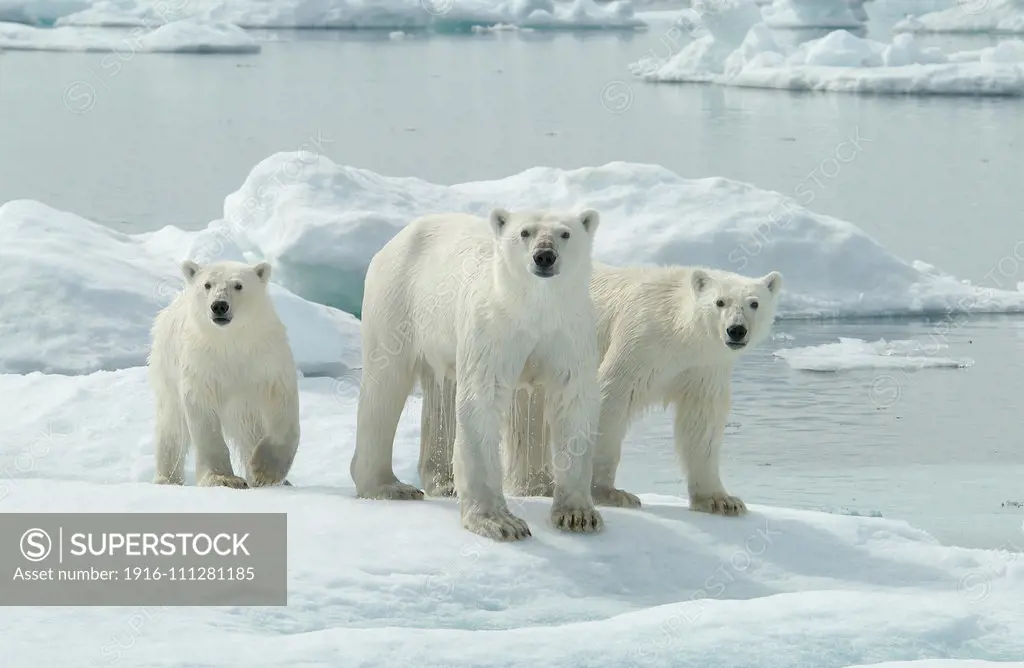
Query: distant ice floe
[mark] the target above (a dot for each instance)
(969, 16)
(185, 36)
(831, 14)
(442, 15)
(736, 50)
(849, 354)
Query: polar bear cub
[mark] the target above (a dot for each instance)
(222, 371)
(667, 335)
(483, 306)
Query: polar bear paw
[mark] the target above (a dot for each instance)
(617, 498)
(220, 480)
(718, 504)
(167, 480)
(497, 525)
(577, 520)
(394, 491)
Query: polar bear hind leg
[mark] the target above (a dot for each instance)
(437, 434)
(382, 395)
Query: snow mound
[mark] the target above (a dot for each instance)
(851, 353)
(76, 297)
(320, 223)
(661, 586)
(832, 14)
(185, 36)
(443, 15)
(970, 16)
(843, 62)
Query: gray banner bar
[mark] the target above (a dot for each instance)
(155, 559)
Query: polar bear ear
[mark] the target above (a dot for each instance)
(263, 271)
(773, 282)
(590, 220)
(700, 280)
(499, 219)
(189, 269)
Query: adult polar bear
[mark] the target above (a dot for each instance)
(666, 335)
(222, 370)
(488, 306)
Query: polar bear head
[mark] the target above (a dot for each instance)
(545, 244)
(739, 310)
(226, 293)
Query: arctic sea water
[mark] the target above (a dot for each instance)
(164, 139)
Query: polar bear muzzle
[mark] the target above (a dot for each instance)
(545, 263)
(220, 312)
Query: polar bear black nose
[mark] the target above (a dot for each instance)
(736, 332)
(219, 307)
(545, 258)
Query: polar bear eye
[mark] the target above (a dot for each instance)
(207, 286)
(524, 233)
(238, 286)
(720, 303)
(753, 304)
(565, 235)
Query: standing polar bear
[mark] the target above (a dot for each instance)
(667, 335)
(475, 308)
(222, 370)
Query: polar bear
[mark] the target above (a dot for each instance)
(475, 308)
(222, 371)
(666, 335)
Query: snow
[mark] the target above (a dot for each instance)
(831, 14)
(851, 353)
(840, 61)
(377, 583)
(445, 15)
(185, 36)
(320, 223)
(79, 297)
(970, 16)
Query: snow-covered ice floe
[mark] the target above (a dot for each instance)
(453, 15)
(79, 297)
(839, 61)
(969, 16)
(851, 353)
(661, 586)
(320, 223)
(86, 295)
(185, 36)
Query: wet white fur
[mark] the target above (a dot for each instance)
(662, 338)
(216, 385)
(451, 301)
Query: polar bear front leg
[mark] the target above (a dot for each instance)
(573, 410)
(213, 459)
(171, 442)
(480, 404)
(274, 454)
(701, 414)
